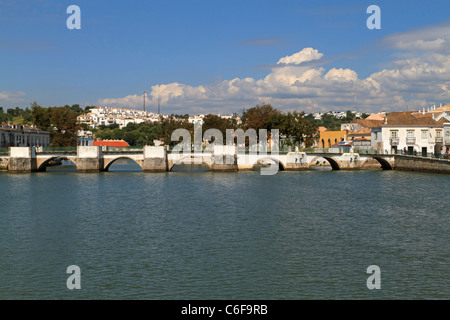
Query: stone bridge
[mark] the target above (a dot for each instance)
(158, 159)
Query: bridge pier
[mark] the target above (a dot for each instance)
(155, 159)
(350, 161)
(296, 161)
(22, 159)
(224, 159)
(89, 159)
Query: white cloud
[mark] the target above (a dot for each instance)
(8, 97)
(431, 38)
(307, 54)
(341, 75)
(131, 100)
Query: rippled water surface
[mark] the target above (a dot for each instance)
(203, 235)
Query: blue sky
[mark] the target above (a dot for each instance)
(222, 56)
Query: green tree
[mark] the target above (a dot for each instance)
(132, 137)
(5, 118)
(87, 109)
(294, 126)
(257, 117)
(117, 134)
(349, 117)
(64, 127)
(85, 126)
(212, 121)
(27, 116)
(300, 129)
(169, 125)
(11, 112)
(41, 117)
(76, 109)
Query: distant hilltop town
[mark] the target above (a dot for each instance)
(106, 116)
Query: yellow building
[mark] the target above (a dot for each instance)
(329, 138)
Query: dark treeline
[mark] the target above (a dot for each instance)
(10, 114)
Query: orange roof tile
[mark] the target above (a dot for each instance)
(112, 143)
(376, 116)
(362, 131)
(368, 123)
(409, 118)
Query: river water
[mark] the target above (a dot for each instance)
(202, 235)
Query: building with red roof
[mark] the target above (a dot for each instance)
(112, 143)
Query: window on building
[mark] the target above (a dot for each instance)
(424, 134)
(410, 134)
(394, 134)
(439, 134)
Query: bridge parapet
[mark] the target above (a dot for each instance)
(422, 164)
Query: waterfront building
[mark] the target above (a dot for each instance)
(447, 138)
(359, 124)
(329, 138)
(18, 135)
(366, 132)
(362, 143)
(414, 133)
(376, 139)
(363, 133)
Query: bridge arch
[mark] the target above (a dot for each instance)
(189, 160)
(108, 163)
(42, 166)
(334, 164)
(385, 165)
(281, 165)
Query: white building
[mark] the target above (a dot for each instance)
(413, 133)
(108, 116)
(196, 119)
(18, 135)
